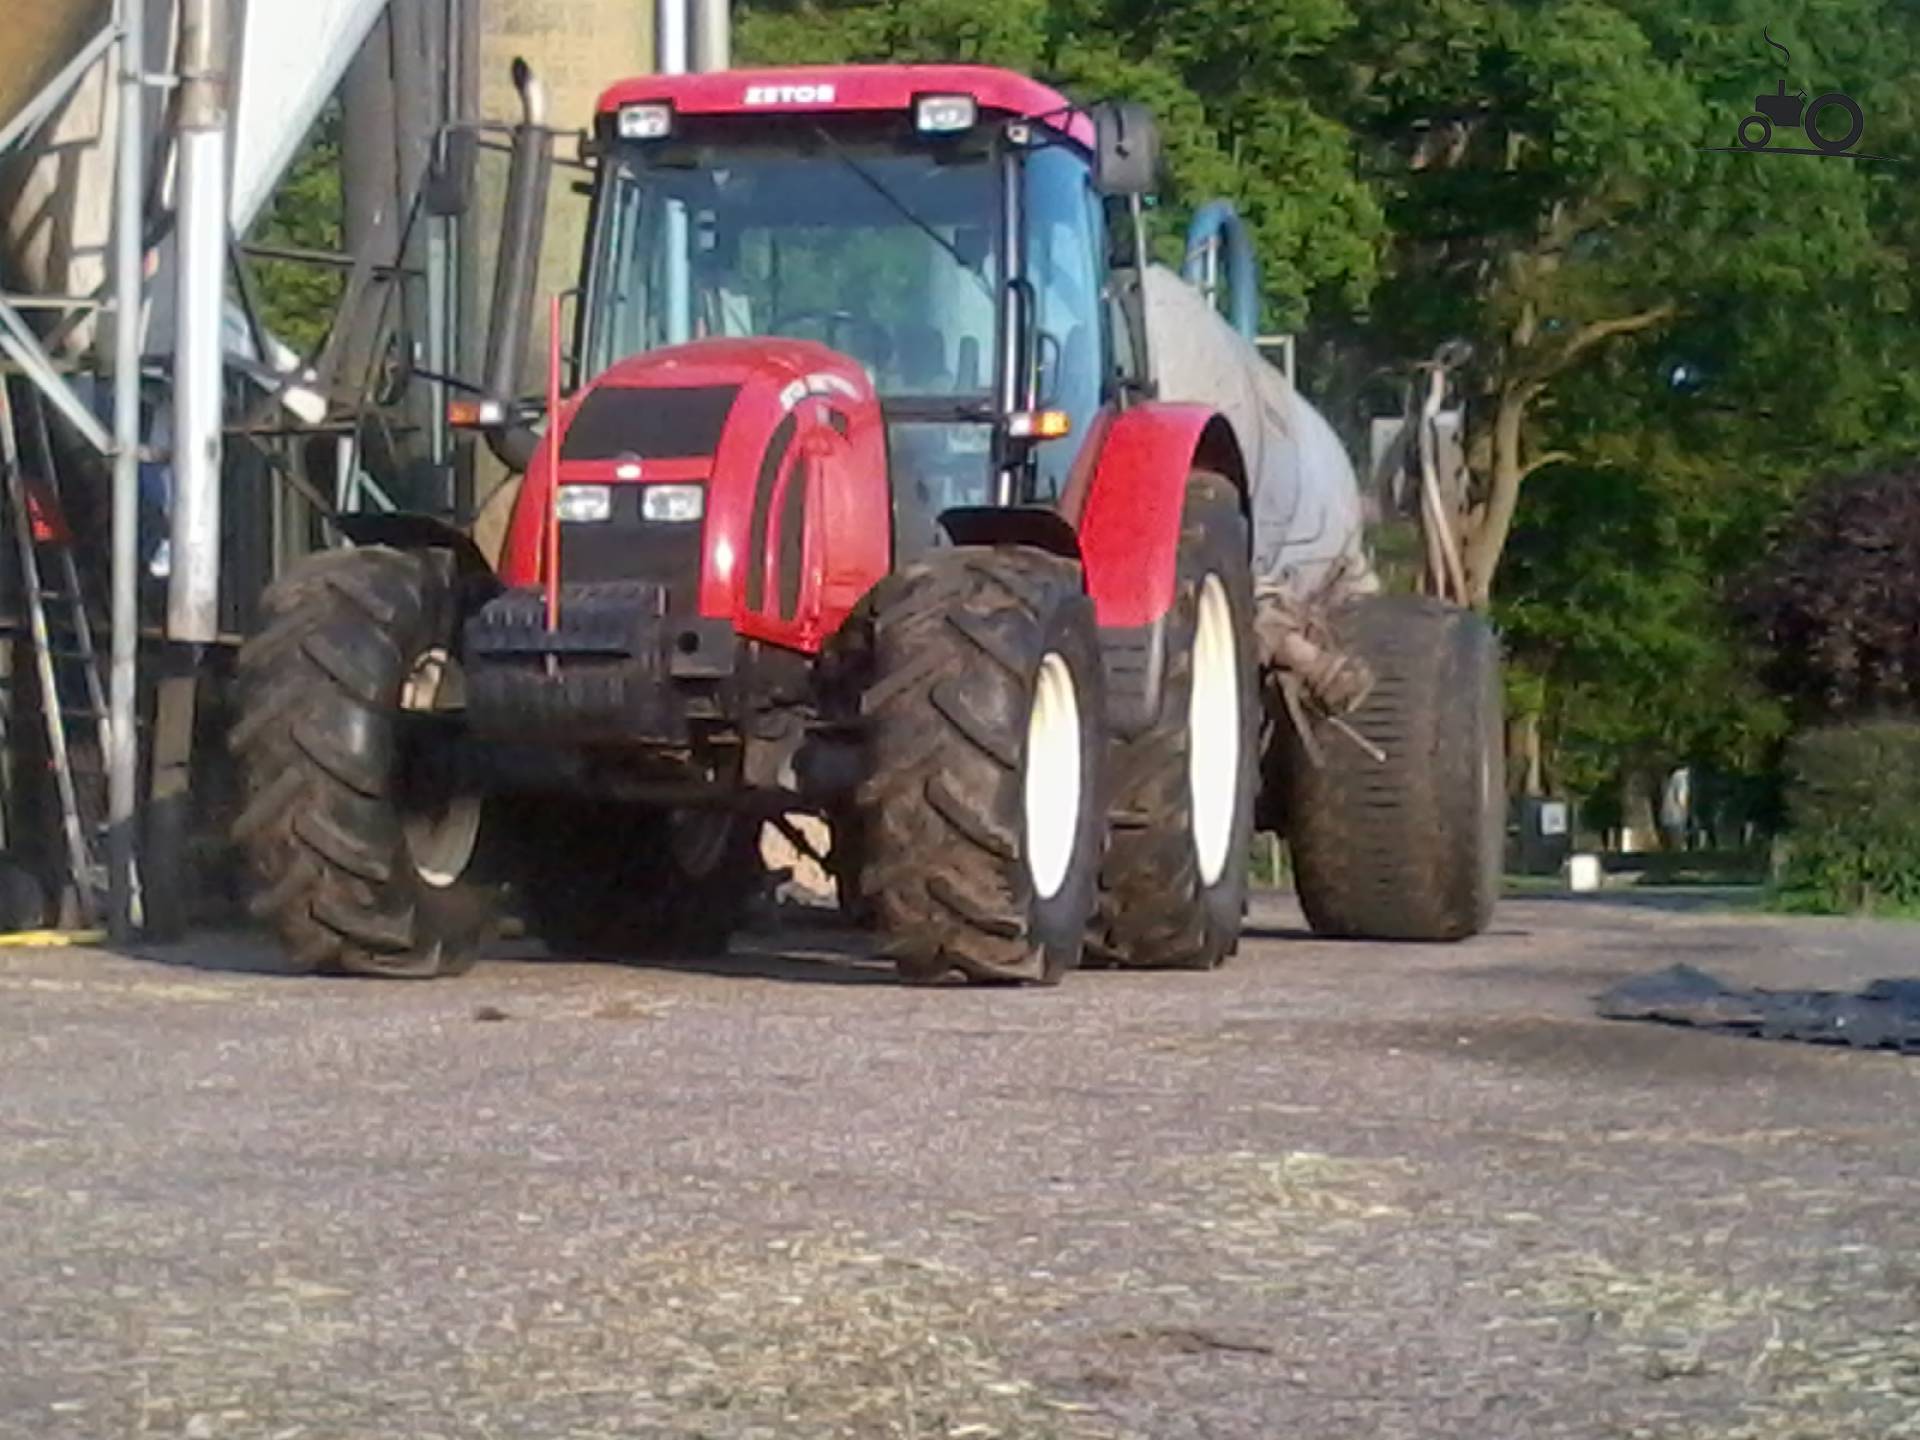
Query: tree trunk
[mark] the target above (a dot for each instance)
(1524, 757)
(1637, 811)
(1505, 472)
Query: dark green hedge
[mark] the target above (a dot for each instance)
(1853, 820)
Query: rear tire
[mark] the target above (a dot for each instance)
(362, 846)
(627, 882)
(1408, 848)
(1173, 891)
(984, 813)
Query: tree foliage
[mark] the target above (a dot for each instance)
(1854, 808)
(1839, 602)
(297, 298)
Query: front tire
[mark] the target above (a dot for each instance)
(1173, 890)
(362, 844)
(983, 812)
(1408, 847)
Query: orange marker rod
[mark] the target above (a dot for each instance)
(551, 561)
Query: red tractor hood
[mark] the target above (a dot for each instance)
(787, 440)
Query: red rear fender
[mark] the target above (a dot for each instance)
(1130, 518)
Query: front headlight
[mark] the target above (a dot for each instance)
(673, 502)
(579, 504)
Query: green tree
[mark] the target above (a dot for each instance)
(298, 299)
(1548, 198)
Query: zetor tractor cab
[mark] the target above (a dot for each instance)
(871, 505)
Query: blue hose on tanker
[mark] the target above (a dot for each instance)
(1218, 218)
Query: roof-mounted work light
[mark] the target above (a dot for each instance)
(646, 122)
(944, 114)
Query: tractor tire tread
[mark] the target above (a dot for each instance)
(956, 638)
(316, 741)
(1405, 848)
(1155, 909)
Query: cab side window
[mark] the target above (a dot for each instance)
(1066, 261)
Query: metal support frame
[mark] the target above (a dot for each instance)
(193, 591)
(55, 90)
(17, 339)
(127, 37)
(129, 209)
(24, 349)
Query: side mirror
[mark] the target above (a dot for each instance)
(1126, 155)
(448, 188)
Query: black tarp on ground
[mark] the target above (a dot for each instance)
(1885, 1015)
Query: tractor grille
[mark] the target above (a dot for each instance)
(617, 423)
(623, 423)
(625, 546)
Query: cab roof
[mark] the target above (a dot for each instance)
(830, 89)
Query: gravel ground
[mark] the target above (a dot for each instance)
(1332, 1191)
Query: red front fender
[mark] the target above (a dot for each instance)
(1130, 520)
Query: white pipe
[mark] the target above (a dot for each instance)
(670, 58)
(670, 37)
(193, 592)
(200, 203)
(712, 35)
(129, 198)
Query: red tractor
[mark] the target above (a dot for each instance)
(872, 501)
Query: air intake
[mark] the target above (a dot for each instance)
(616, 421)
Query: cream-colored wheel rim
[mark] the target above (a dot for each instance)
(1213, 731)
(1051, 788)
(440, 843)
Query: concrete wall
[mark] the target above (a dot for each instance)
(577, 48)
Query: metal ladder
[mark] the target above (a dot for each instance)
(73, 698)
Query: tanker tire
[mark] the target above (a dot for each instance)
(330, 783)
(1408, 848)
(984, 809)
(608, 881)
(1158, 908)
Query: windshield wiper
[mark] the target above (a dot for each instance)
(906, 211)
(935, 408)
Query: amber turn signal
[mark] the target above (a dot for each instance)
(1039, 424)
(475, 414)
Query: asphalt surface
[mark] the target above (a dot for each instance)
(1331, 1191)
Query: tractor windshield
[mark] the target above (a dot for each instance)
(883, 251)
(882, 247)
